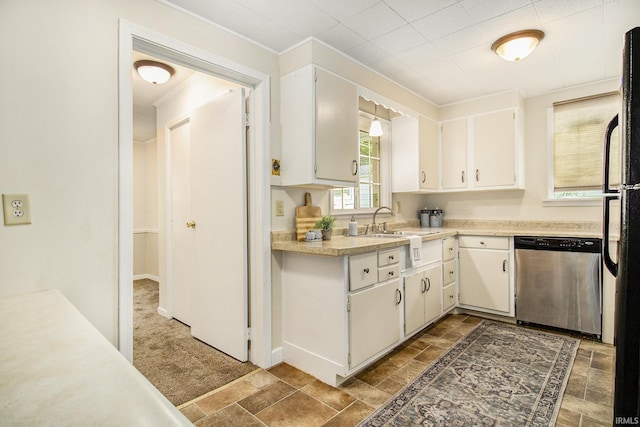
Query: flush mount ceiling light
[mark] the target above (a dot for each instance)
(376, 127)
(518, 45)
(154, 72)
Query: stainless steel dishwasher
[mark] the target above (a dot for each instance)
(559, 282)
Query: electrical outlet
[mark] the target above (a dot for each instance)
(17, 209)
(279, 208)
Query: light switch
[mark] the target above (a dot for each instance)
(279, 208)
(17, 209)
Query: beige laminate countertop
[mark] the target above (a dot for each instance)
(345, 245)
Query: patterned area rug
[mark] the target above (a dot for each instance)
(498, 375)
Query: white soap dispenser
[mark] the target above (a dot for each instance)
(353, 227)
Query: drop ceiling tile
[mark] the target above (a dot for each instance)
(270, 9)
(198, 7)
(366, 53)
(552, 10)
(340, 37)
(341, 9)
(412, 10)
(236, 17)
(443, 22)
(419, 55)
(519, 19)
(442, 71)
(305, 19)
(375, 21)
(400, 40)
(485, 10)
(462, 40)
(274, 36)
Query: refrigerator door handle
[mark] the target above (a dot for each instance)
(609, 195)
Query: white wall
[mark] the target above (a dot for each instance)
(59, 133)
(520, 204)
(145, 210)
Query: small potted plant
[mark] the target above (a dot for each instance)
(326, 224)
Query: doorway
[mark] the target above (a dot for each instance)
(258, 215)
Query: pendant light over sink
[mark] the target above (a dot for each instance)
(376, 127)
(518, 45)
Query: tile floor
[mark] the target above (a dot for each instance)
(286, 396)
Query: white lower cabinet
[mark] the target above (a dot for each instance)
(373, 320)
(422, 297)
(486, 280)
(336, 318)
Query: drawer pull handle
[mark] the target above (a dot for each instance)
(482, 242)
(391, 273)
(451, 273)
(423, 288)
(366, 270)
(428, 284)
(355, 167)
(424, 177)
(391, 258)
(462, 176)
(504, 265)
(477, 175)
(398, 297)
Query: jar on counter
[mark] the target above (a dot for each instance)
(436, 217)
(424, 215)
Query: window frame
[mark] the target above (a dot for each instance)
(364, 121)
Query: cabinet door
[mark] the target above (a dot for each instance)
(454, 154)
(414, 286)
(448, 248)
(336, 128)
(484, 278)
(374, 320)
(432, 293)
(429, 156)
(494, 149)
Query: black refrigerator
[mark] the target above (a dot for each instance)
(627, 269)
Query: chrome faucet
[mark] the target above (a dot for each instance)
(373, 224)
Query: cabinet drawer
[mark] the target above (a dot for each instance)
(484, 242)
(363, 270)
(449, 272)
(388, 257)
(448, 297)
(388, 272)
(448, 248)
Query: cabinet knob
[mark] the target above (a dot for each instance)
(391, 258)
(191, 224)
(391, 273)
(366, 270)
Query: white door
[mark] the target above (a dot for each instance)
(182, 237)
(219, 305)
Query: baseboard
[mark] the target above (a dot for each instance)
(276, 356)
(146, 276)
(164, 313)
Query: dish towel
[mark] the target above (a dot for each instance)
(415, 250)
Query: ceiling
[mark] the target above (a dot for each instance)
(440, 49)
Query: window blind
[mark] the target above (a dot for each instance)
(578, 141)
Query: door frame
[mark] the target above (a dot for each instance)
(133, 37)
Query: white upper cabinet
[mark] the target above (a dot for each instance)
(415, 156)
(319, 129)
(494, 145)
(483, 151)
(454, 154)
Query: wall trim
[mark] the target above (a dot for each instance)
(146, 276)
(276, 356)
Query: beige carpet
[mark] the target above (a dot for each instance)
(180, 366)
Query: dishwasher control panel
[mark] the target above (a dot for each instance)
(572, 244)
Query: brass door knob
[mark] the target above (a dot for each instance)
(191, 224)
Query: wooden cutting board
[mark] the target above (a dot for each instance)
(306, 217)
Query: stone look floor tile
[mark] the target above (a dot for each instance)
(230, 416)
(286, 396)
(193, 412)
(297, 410)
(266, 397)
(330, 396)
(291, 375)
(351, 416)
(226, 396)
(364, 392)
